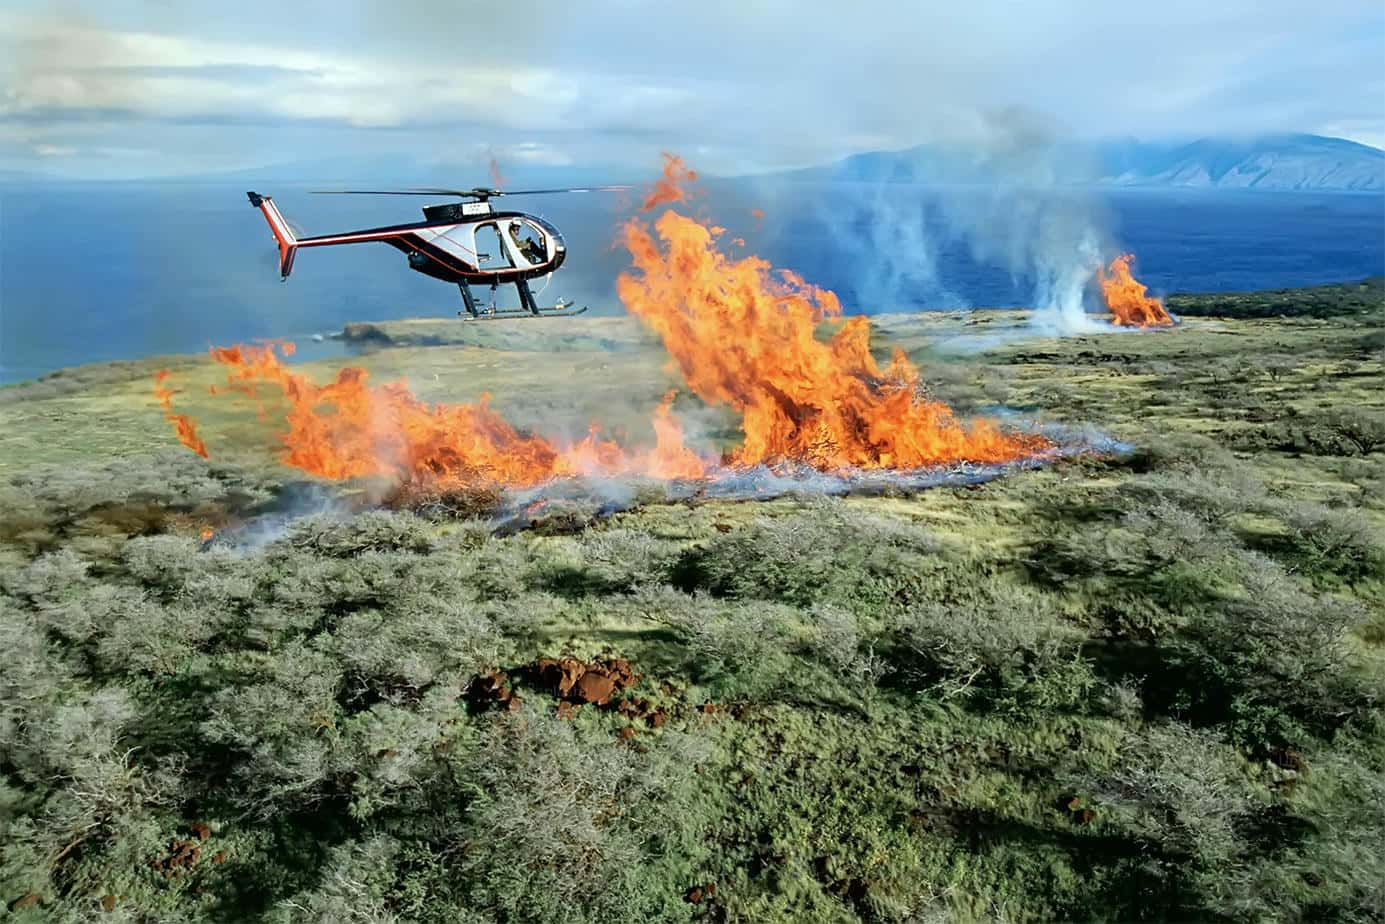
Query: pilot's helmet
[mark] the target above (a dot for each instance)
(515, 226)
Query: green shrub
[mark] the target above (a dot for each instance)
(1364, 429)
(620, 559)
(563, 826)
(744, 646)
(355, 885)
(1333, 546)
(1340, 432)
(838, 641)
(1148, 570)
(397, 653)
(1217, 495)
(1185, 795)
(282, 722)
(1272, 660)
(1006, 650)
(827, 554)
(374, 531)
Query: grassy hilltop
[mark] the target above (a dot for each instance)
(1144, 687)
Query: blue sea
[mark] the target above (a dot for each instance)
(92, 272)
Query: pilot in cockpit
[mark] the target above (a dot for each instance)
(533, 250)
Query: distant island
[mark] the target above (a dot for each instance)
(1299, 163)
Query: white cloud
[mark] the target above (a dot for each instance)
(761, 84)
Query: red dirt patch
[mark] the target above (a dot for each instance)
(635, 709)
(603, 683)
(491, 689)
(1077, 811)
(736, 711)
(583, 682)
(700, 893)
(182, 857)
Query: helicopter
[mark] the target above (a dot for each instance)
(466, 243)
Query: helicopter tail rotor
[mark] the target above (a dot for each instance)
(283, 234)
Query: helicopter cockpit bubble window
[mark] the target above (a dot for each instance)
(529, 242)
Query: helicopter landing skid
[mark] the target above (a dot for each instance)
(528, 307)
(560, 310)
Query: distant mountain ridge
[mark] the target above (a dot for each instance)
(1306, 163)
(1275, 162)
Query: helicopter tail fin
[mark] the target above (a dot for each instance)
(283, 235)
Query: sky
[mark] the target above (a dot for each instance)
(128, 88)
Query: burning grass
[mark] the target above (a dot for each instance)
(1127, 297)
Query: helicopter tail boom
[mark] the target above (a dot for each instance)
(283, 235)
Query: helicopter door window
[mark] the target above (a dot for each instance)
(491, 252)
(528, 242)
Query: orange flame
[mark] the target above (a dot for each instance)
(183, 425)
(747, 340)
(350, 428)
(207, 533)
(1125, 296)
(671, 187)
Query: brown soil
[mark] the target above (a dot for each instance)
(574, 683)
(491, 690)
(182, 857)
(736, 711)
(603, 683)
(700, 893)
(637, 709)
(1076, 811)
(582, 682)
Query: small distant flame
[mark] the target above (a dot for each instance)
(183, 425)
(1125, 296)
(672, 186)
(208, 534)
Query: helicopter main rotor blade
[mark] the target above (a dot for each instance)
(388, 192)
(480, 192)
(569, 189)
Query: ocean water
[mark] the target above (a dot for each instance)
(92, 272)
